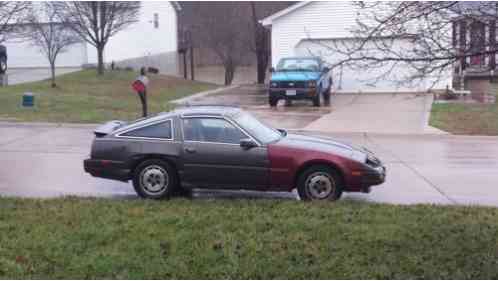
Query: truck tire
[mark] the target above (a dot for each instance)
(273, 101)
(317, 99)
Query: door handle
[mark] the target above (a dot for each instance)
(190, 150)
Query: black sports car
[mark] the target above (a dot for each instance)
(225, 147)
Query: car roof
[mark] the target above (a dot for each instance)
(207, 110)
(186, 111)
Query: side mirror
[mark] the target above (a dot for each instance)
(247, 143)
(272, 69)
(326, 69)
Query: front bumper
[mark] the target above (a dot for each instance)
(288, 93)
(374, 176)
(107, 169)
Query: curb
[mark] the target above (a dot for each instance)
(202, 94)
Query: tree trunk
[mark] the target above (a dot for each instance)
(229, 73)
(261, 45)
(262, 65)
(52, 70)
(100, 57)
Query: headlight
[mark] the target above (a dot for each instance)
(312, 84)
(273, 84)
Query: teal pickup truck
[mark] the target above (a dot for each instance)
(299, 78)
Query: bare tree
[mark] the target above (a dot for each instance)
(97, 21)
(260, 43)
(218, 27)
(436, 33)
(48, 34)
(12, 14)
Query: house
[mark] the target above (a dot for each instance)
(153, 35)
(477, 73)
(310, 28)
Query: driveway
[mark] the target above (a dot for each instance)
(46, 161)
(379, 113)
(23, 75)
(373, 113)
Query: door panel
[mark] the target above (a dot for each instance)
(218, 165)
(213, 156)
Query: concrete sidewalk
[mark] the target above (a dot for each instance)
(47, 161)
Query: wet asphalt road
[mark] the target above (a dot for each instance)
(42, 160)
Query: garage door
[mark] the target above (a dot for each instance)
(349, 79)
(24, 54)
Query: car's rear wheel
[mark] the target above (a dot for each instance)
(155, 179)
(320, 182)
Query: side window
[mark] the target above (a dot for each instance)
(160, 130)
(211, 130)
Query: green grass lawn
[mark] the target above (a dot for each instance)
(249, 239)
(84, 97)
(466, 119)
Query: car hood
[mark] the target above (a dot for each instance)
(324, 145)
(294, 76)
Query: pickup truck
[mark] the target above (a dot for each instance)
(298, 78)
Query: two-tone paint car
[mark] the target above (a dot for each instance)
(298, 78)
(226, 147)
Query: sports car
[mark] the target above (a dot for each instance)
(227, 148)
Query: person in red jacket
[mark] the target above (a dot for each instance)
(140, 86)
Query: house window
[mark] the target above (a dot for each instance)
(156, 20)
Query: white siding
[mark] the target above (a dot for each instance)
(142, 39)
(24, 54)
(331, 19)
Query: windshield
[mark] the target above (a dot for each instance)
(260, 131)
(298, 64)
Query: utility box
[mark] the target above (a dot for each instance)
(28, 100)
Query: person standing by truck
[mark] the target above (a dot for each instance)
(140, 86)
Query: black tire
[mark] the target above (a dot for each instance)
(273, 101)
(317, 99)
(326, 94)
(317, 177)
(146, 184)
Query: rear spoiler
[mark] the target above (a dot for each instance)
(108, 128)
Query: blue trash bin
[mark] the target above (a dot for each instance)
(28, 100)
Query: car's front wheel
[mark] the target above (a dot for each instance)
(155, 179)
(320, 182)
